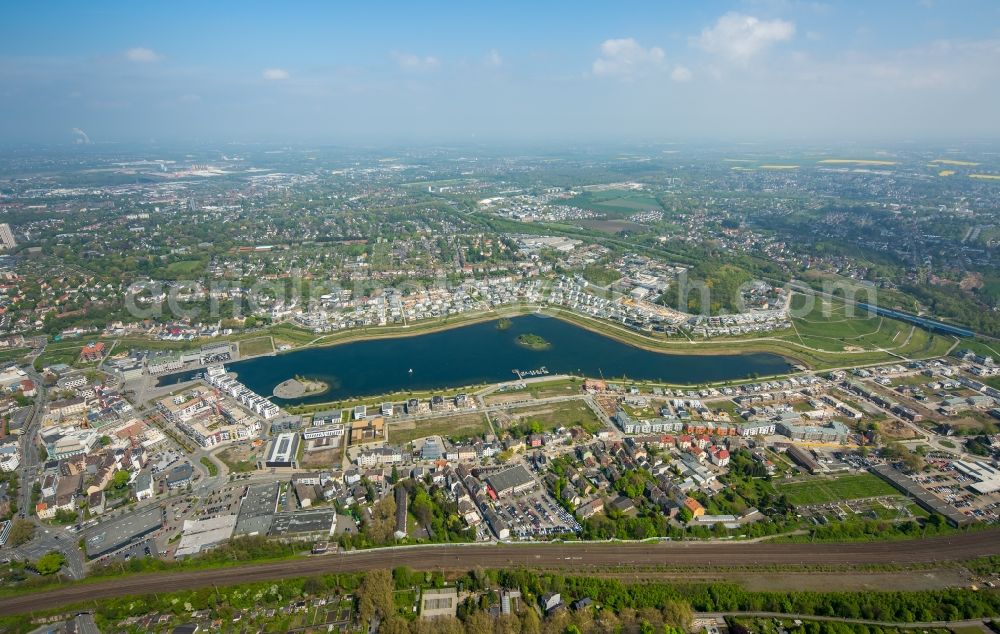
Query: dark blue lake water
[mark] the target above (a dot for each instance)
(483, 353)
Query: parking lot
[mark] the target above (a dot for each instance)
(950, 485)
(164, 459)
(225, 501)
(139, 550)
(535, 514)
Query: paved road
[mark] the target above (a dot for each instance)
(575, 557)
(47, 538)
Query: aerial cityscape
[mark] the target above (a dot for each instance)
(568, 318)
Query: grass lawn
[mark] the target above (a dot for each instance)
(139, 343)
(725, 405)
(13, 355)
(290, 334)
(185, 268)
(457, 426)
(979, 346)
(213, 469)
(614, 202)
(831, 325)
(567, 414)
(822, 490)
(255, 346)
(59, 353)
(912, 379)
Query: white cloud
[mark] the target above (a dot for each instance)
(275, 74)
(494, 59)
(142, 55)
(626, 58)
(411, 61)
(739, 37)
(680, 73)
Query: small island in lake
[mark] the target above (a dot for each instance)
(503, 323)
(533, 342)
(299, 386)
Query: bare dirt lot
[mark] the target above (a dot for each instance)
(896, 430)
(241, 457)
(321, 458)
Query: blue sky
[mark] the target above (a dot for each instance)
(751, 70)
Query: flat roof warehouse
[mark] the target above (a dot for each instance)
(304, 524)
(260, 502)
(510, 481)
(922, 496)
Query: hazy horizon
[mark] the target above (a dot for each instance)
(772, 71)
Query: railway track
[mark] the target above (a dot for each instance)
(577, 558)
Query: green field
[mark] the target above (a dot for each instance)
(59, 353)
(13, 354)
(614, 202)
(822, 490)
(991, 349)
(255, 346)
(239, 459)
(291, 334)
(459, 426)
(185, 268)
(829, 325)
(574, 413)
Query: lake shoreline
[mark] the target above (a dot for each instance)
(676, 346)
(479, 353)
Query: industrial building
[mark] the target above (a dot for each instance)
(927, 500)
(803, 458)
(257, 509)
(510, 481)
(112, 535)
(199, 535)
(986, 479)
(306, 525)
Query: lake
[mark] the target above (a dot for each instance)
(484, 353)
